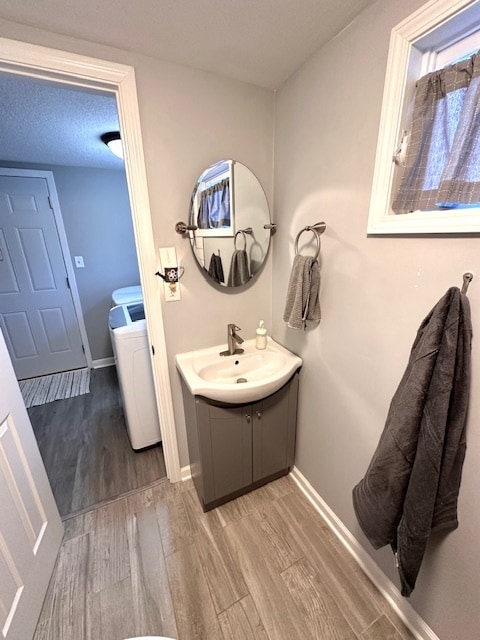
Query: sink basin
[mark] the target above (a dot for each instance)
(245, 377)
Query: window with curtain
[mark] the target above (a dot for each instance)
(442, 161)
(432, 187)
(214, 208)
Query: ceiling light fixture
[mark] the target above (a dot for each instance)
(113, 142)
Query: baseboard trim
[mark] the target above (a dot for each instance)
(103, 362)
(402, 608)
(185, 473)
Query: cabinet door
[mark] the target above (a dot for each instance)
(228, 456)
(274, 425)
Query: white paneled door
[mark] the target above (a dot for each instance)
(30, 526)
(37, 314)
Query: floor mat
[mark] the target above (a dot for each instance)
(58, 386)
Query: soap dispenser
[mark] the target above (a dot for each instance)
(261, 337)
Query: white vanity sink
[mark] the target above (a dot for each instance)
(245, 377)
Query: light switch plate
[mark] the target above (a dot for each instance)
(79, 262)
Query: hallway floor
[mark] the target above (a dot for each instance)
(85, 447)
(263, 567)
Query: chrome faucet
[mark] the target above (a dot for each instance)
(232, 340)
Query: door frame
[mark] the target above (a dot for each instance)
(62, 236)
(68, 69)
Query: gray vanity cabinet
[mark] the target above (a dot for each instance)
(274, 421)
(236, 448)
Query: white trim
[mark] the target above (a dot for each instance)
(81, 71)
(457, 50)
(402, 608)
(433, 15)
(100, 363)
(62, 236)
(186, 473)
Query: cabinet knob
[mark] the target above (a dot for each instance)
(259, 415)
(248, 417)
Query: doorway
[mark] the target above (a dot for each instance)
(82, 440)
(79, 71)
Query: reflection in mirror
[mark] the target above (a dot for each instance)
(212, 204)
(229, 209)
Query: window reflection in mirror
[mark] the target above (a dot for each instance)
(212, 204)
(230, 210)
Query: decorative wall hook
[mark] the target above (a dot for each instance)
(171, 274)
(467, 278)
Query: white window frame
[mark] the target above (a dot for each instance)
(414, 45)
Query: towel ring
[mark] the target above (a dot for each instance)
(317, 239)
(248, 230)
(244, 239)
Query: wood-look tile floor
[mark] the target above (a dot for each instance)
(264, 566)
(85, 447)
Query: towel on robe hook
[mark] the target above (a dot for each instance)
(412, 483)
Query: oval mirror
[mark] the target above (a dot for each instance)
(230, 211)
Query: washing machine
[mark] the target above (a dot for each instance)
(131, 349)
(127, 295)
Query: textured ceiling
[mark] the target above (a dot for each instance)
(257, 41)
(42, 123)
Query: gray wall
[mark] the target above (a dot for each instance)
(98, 224)
(374, 294)
(189, 119)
